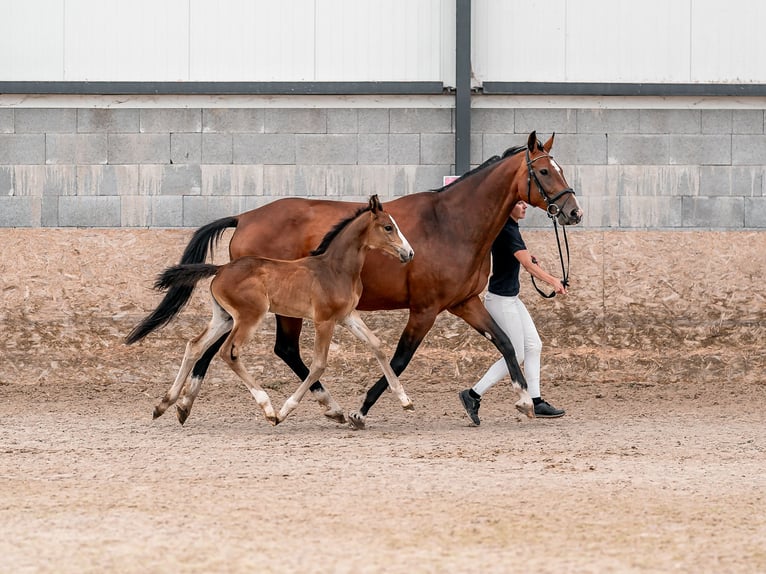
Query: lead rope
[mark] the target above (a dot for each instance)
(564, 269)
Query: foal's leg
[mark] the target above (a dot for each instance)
(322, 338)
(219, 324)
(286, 348)
(361, 331)
(240, 334)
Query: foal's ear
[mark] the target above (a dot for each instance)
(375, 205)
(549, 144)
(532, 141)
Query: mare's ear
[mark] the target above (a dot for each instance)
(532, 141)
(549, 144)
(375, 205)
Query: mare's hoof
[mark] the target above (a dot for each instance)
(182, 414)
(526, 409)
(356, 421)
(409, 407)
(337, 416)
(156, 413)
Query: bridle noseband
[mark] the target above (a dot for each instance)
(553, 211)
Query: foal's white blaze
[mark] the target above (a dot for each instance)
(405, 244)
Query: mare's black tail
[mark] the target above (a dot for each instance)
(179, 292)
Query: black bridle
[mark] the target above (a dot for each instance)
(553, 211)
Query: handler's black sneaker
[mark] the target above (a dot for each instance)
(471, 405)
(545, 410)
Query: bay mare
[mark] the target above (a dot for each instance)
(452, 230)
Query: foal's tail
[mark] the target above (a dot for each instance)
(179, 292)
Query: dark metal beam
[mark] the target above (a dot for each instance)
(621, 89)
(462, 86)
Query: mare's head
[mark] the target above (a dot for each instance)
(384, 233)
(544, 185)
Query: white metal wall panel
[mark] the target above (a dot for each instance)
(128, 41)
(252, 40)
(31, 40)
(728, 41)
(381, 40)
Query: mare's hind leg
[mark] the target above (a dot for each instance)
(240, 334)
(322, 337)
(355, 324)
(286, 348)
(219, 324)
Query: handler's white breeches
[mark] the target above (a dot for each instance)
(516, 322)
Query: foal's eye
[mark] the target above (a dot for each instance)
(389, 228)
(544, 171)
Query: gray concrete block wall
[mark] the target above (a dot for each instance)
(632, 168)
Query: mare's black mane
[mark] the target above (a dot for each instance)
(333, 233)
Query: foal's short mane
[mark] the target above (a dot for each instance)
(333, 233)
(491, 161)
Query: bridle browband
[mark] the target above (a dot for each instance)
(552, 210)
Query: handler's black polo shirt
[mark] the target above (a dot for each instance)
(505, 267)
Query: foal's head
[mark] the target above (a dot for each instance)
(544, 184)
(384, 233)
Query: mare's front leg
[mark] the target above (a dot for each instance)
(417, 327)
(355, 324)
(287, 348)
(473, 312)
(322, 338)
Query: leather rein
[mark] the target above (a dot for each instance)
(552, 210)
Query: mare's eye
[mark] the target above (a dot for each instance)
(389, 228)
(544, 171)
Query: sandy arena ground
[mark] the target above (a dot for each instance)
(658, 466)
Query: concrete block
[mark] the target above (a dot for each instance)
(375, 179)
(545, 121)
(185, 148)
(437, 149)
(164, 120)
(656, 181)
(45, 180)
(599, 121)
(202, 209)
(295, 121)
(20, 212)
(94, 211)
(328, 149)
(138, 148)
(373, 121)
(420, 120)
(747, 121)
(75, 148)
(637, 149)
(232, 179)
(151, 211)
(217, 148)
(477, 149)
(658, 212)
(714, 212)
(372, 148)
(590, 180)
(497, 144)
(404, 149)
(169, 180)
(295, 180)
(342, 180)
(716, 121)
(49, 211)
(748, 149)
(18, 149)
(494, 121)
(580, 148)
(107, 179)
(699, 149)
(342, 121)
(600, 211)
(263, 148)
(6, 121)
(45, 120)
(6, 181)
(746, 181)
(670, 121)
(233, 120)
(409, 179)
(755, 212)
(108, 120)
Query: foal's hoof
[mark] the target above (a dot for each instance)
(157, 412)
(337, 416)
(526, 409)
(356, 421)
(182, 414)
(408, 407)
